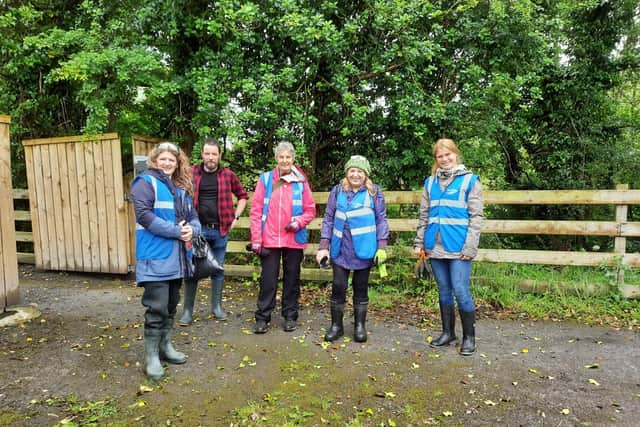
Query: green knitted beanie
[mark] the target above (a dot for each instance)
(359, 162)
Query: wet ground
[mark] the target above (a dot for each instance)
(79, 363)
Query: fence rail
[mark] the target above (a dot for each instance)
(619, 228)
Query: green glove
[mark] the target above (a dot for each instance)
(380, 259)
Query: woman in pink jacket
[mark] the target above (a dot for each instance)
(281, 209)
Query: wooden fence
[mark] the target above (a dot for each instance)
(9, 294)
(619, 228)
(78, 212)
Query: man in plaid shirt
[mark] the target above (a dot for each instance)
(213, 189)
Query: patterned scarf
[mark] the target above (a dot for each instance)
(448, 173)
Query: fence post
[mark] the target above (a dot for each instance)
(620, 247)
(9, 293)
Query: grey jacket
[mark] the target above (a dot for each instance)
(475, 208)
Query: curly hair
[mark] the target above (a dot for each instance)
(182, 175)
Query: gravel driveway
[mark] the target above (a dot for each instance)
(79, 363)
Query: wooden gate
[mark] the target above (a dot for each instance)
(9, 294)
(78, 206)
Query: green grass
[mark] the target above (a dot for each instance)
(586, 294)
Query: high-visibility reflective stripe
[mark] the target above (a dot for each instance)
(449, 203)
(337, 233)
(297, 202)
(163, 205)
(449, 221)
(464, 186)
(363, 230)
(139, 227)
(341, 215)
(359, 212)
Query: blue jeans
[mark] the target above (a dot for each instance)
(452, 276)
(218, 245)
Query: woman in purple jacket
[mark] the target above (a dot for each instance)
(354, 233)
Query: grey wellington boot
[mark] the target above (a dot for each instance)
(190, 290)
(152, 366)
(216, 300)
(167, 352)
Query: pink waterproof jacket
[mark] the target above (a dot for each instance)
(280, 212)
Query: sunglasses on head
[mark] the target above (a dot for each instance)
(168, 146)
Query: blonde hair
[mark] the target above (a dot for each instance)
(368, 184)
(447, 144)
(181, 177)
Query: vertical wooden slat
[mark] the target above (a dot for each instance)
(101, 207)
(65, 208)
(120, 205)
(92, 206)
(9, 293)
(33, 205)
(50, 206)
(56, 208)
(40, 190)
(74, 207)
(83, 209)
(110, 220)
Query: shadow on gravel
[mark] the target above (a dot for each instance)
(79, 363)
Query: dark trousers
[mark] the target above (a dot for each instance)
(161, 300)
(360, 285)
(291, 260)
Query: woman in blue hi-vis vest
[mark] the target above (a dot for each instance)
(354, 233)
(165, 223)
(449, 231)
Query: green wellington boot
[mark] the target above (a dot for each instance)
(216, 300)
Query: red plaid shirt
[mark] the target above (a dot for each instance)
(228, 183)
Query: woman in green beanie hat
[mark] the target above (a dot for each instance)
(354, 233)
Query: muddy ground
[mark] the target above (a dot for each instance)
(79, 363)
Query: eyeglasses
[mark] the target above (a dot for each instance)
(168, 146)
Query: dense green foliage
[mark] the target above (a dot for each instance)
(540, 94)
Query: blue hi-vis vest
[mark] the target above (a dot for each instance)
(149, 245)
(361, 217)
(448, 213)
(298, 188)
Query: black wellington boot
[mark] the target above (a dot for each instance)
(360, 315)
(190, 289)
(468, 346)
(337, 328)
(448, 316)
